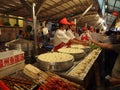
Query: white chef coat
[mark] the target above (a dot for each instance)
(60, 37)
(70, 34)
(45, 31)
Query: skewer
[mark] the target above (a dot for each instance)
(72, 83)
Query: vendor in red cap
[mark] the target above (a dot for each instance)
(71, 32)
(60, 37)
(92, 29)
(84, 36)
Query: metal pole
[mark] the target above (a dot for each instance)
(87, 9)
(35, 29)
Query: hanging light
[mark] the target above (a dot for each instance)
(115, 13)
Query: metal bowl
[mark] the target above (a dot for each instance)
(77, 56)
(55, 66)
(85, 48)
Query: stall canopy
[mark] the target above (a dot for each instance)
(84, 11)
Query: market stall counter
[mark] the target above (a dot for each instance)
(32, 78)
(83, 71)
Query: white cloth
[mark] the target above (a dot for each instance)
(45, 31)
(70, 34)
(60, 36)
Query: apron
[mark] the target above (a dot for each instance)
(61, 45)
(85, 37)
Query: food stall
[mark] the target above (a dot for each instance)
(81, 70)
(59, 64)
(73, 68)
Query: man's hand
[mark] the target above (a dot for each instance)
(84, 43)
(93, 41)
(114, 81)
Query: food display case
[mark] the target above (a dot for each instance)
(82, 70)
(77, 71)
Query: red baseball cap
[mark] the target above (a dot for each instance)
(72, 23)
(64, 21)
(84, 29)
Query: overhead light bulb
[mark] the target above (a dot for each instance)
(106, 6)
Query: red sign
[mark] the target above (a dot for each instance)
(1, 63)
(16, 58)
(12, 60)
(21, 57)
(6, 62)
(115, 13)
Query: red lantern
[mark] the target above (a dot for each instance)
(115, 13)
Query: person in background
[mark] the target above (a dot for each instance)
(46, 37)
(97, 36)
(20, 34)
(85, 35)
(60, 37)
(27, 34)
(92, 29)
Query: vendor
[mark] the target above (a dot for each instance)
(71, 32)
(85, 35)
(60, 38)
